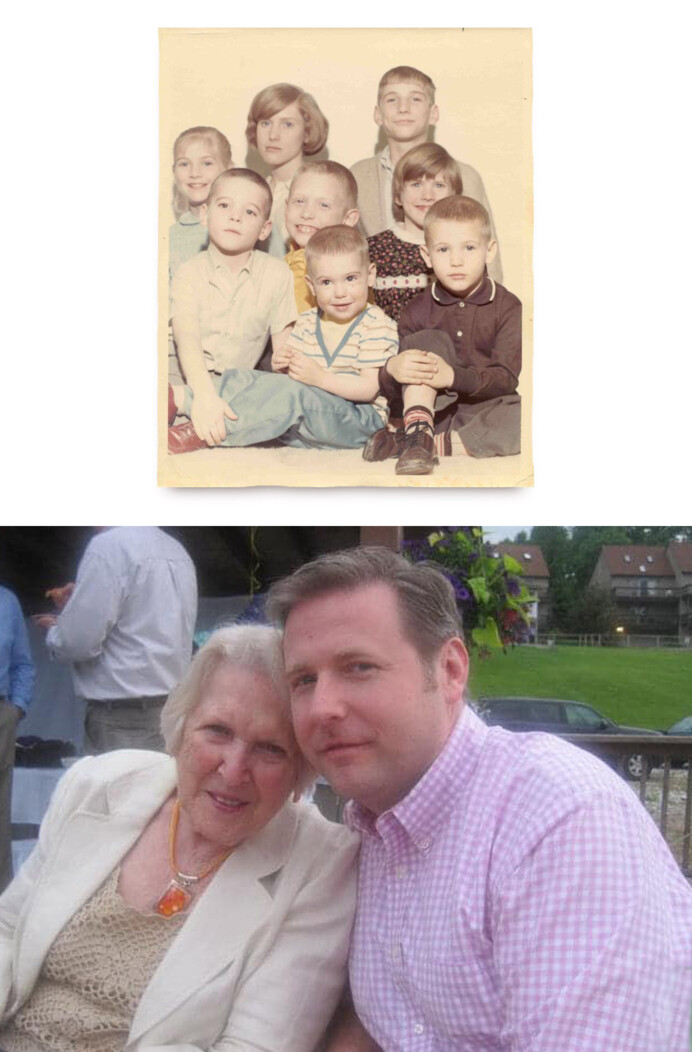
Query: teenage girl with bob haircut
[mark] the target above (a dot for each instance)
(285, 125)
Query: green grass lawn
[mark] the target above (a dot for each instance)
(645, 688)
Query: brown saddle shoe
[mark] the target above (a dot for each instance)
(384, 444)
(418, 454)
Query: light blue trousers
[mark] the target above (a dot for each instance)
(271, 405)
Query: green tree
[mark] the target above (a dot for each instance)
(555, 543)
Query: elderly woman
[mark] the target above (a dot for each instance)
(187, 902)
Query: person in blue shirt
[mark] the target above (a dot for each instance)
(17, 674)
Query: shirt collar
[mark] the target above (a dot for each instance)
(420, 812)
(189, 219)
(216, 262)
(386, 159)
(485, 293)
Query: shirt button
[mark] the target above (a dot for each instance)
(400, 872)
(424, 845)
(460, 333)
(418, 1028)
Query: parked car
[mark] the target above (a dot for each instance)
(683, 726)
(560, 716)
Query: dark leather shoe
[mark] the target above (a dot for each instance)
(172, 411)
(418, 454)
(383, 444)
(184, 439)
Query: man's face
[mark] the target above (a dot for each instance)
(236, 216)
(458, 253)
(367, 712)
(316, 200)
(405, 110)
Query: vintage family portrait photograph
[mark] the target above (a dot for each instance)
(345, 258)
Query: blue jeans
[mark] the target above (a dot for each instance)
(271, 405)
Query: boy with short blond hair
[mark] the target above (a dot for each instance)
(322, 193)
(460, 352)
(324, 392)
(406, 110)
(226, 301)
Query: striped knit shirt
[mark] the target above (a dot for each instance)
(367, 343)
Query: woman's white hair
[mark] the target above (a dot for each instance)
(254, 648)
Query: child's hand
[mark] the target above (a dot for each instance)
(444, 377)
(414, 367)
(281, 359)
(305, 369)
(208, 415)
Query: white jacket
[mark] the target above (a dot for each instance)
(260, 962)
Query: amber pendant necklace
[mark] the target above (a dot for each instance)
(178, 896)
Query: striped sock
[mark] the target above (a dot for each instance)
(418, 418)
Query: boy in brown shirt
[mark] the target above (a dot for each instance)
(460, 351)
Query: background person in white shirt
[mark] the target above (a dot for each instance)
(127, 631)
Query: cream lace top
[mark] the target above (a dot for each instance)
(92, 978)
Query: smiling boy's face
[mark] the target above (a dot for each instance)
(340, 284)
(316, 200)
(236, 215)
(405, 109)
(458, 251)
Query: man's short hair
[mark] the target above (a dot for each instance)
(427, 159)
(406, 73)
(336, 241)
(277, 97)
(346, 179)
(242, 173)
(461, 210)
(427, 604)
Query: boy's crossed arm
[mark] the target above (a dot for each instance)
(362, 387)
(420, 367)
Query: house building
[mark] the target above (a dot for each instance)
(651, 586)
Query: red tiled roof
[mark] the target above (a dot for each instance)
(624, 560)
(533, 566)
(681, 552)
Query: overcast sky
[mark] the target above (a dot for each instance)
(499, 533)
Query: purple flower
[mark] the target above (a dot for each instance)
(513, 585)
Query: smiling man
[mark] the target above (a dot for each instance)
(513, 893)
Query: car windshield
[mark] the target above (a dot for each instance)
(683, 726)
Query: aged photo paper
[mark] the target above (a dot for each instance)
(484, 94)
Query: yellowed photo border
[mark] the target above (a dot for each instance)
(484, 94)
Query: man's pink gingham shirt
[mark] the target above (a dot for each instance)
(520, 899)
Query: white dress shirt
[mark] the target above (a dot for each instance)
(128, 626)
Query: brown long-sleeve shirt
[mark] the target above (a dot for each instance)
(486, 331)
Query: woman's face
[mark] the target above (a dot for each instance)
(238, 761)
(280, 139)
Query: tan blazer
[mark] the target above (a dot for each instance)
(260, 962)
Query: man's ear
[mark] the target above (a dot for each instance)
(434, 115)
(310, 285)
(426, 255)
(372, 274)
(351, 218)
(492, 251)
(203, 212)
(453, 670)
(377, 116)
(265, 231)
